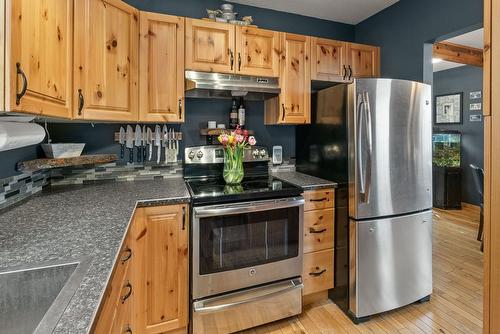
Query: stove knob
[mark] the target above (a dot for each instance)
(199, 155)
(263, 153)
(191, 155)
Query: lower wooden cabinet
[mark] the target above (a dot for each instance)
(319, 231)
(148, 290)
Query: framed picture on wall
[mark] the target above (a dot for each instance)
(448, 109)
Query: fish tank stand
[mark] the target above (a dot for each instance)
(446, 170)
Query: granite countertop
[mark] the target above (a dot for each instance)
(63, 223)
(306, 182)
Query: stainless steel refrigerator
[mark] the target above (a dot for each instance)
(374, 138)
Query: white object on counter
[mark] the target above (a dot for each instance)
(63, 150)
(221, 126)
(212, 124)
(16, 134)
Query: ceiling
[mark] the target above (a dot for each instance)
(472, 39)
(345, 11)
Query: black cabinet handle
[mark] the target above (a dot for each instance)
(127, 330)
(318, 200)
(127, 255)
(318, 273)
(344, 75)
(183, 218)
(311, 230)
(20, 72)
(231, 56)
(283, 107)
(81, 102)
(180, 108)
(239, 61)
(129, 292)
(350, 72)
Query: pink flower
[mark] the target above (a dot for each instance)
(239, 139)
(252, 141)
(223, 139)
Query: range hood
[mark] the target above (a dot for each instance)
(227, 86)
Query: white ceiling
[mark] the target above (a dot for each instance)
(472, 39)
(345, 11)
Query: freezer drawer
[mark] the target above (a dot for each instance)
(248, 308)
(391, 263)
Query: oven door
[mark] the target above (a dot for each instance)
(240, 245)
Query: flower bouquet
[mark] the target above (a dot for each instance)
(234, 144)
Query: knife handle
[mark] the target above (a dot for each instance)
(139, 154)
(122, 151)
(144, 153)
(131, 155)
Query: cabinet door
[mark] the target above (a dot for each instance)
(363, 60)
(258, 52)
(161, 68)
(2, 56)
(210, 46)
(295, 97)
(161, 237)
(328, 60)
(106, 60)
(40, 60)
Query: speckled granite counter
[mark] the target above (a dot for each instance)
(307, 182)
(70, 222)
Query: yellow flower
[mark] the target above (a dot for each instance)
(230, 140)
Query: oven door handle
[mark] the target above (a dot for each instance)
(291, 285)
(237, 208)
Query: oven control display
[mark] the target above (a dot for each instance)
(219, 153)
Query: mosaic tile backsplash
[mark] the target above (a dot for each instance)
(16, 188)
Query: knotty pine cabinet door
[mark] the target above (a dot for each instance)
(328, 60)
(210, 46)
(161, 68)
(38, 62)
(258, 52)
(106, 61)
(160, 241)
(363, 60)
(295, 98)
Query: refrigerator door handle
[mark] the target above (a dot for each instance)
(369, 139)
(362, 175)
(364, 137)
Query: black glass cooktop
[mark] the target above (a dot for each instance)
(213, 191)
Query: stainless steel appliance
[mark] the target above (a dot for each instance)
(374, 138)
(246, 243)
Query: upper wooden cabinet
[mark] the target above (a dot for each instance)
(106, 60)
(161, 69)
(293, 106)
(160, 241)
(328, 60)
(363, 60)
(39, 42)
(258, 52)
(210, 46)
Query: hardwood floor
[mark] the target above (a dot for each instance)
(455, 306)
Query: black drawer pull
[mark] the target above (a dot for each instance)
(129, 292)
(127, 255)
(318, 200)
(311, 230)
(20, 72)
(127, 330)
(318, 273)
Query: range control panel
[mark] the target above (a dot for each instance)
(214, 154)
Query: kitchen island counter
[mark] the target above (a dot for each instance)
(62, 224)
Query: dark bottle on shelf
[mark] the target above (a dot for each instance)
(233, 116)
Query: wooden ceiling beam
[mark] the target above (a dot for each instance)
(458, 53)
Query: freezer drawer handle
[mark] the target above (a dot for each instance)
(318, 200)
(316, 274)
(312, 230)
(292, 285)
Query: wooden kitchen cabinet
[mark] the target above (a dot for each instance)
(258, 52)
(161, 69)
(363, 60)
(160, 241)
(328, 60)
(106, 61)
(210, 46)
(293, 105)
(38, 54)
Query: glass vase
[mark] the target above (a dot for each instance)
(233, 165)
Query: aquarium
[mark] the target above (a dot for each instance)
(446, 149)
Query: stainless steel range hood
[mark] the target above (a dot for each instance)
(226, 86)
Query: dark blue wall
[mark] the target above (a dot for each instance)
(464, 80)
(99, 139)
(402, 29)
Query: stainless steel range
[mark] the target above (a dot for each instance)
(246, 243)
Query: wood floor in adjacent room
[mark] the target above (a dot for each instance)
(455, 306)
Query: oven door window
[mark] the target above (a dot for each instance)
(248, 239)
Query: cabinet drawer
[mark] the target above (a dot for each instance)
(318, 271)
(318, 199)
(318, 230)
